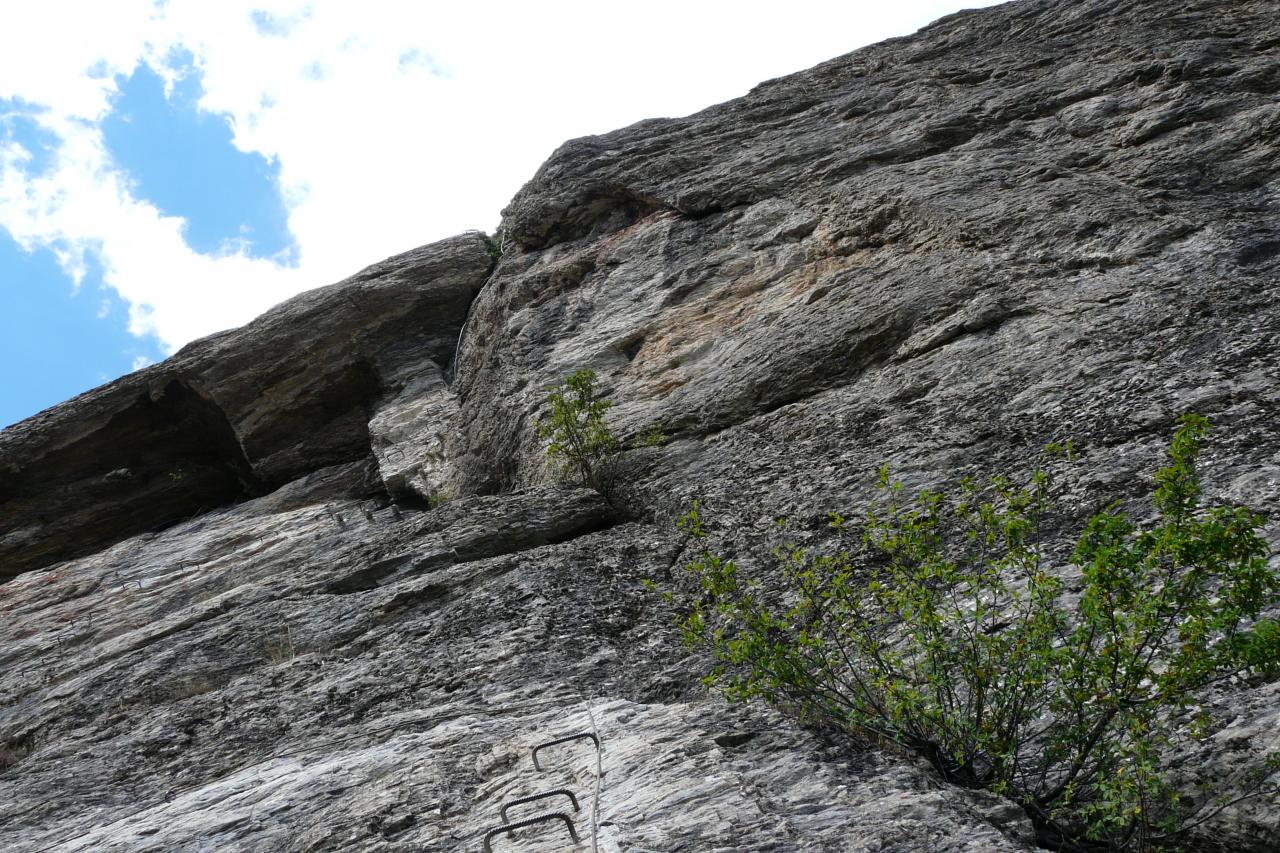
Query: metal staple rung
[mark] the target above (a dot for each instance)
(566, 739)
(558, 792)
(530, 821)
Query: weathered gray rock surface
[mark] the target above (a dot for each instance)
(1043, 220)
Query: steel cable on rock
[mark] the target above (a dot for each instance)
(595, 806)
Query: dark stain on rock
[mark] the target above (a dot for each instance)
(1258, 253)
(166, 456)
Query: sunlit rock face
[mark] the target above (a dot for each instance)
(241, 612)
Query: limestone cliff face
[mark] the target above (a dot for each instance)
(231, 619)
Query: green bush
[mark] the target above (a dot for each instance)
(439, 498)
(581, 450)
(943, 624)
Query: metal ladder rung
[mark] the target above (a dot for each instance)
(530, 821)
(533, 798)
(566, 739)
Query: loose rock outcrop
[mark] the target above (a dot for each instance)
(304, 585)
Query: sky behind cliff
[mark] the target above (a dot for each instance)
(169, 169)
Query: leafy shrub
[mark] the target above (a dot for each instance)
(939, 626)
(494, 244)
(651, 437)
(582, 450)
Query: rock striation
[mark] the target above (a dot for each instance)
(304, 585)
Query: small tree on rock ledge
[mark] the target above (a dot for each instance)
(582, 450)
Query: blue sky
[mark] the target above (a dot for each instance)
(182, 160)
(171, 168)
(60, 337)
(79, 339)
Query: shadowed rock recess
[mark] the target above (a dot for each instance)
(236, 614)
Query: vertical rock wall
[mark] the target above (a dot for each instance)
(1039, 221)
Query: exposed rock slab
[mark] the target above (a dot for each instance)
(211, 690)
(1042, 221)
(408, 433)
(1061, 199)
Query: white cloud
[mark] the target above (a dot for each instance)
(82, 206)
(62, 53)
(393, 123)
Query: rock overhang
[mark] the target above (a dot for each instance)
(234, 415)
